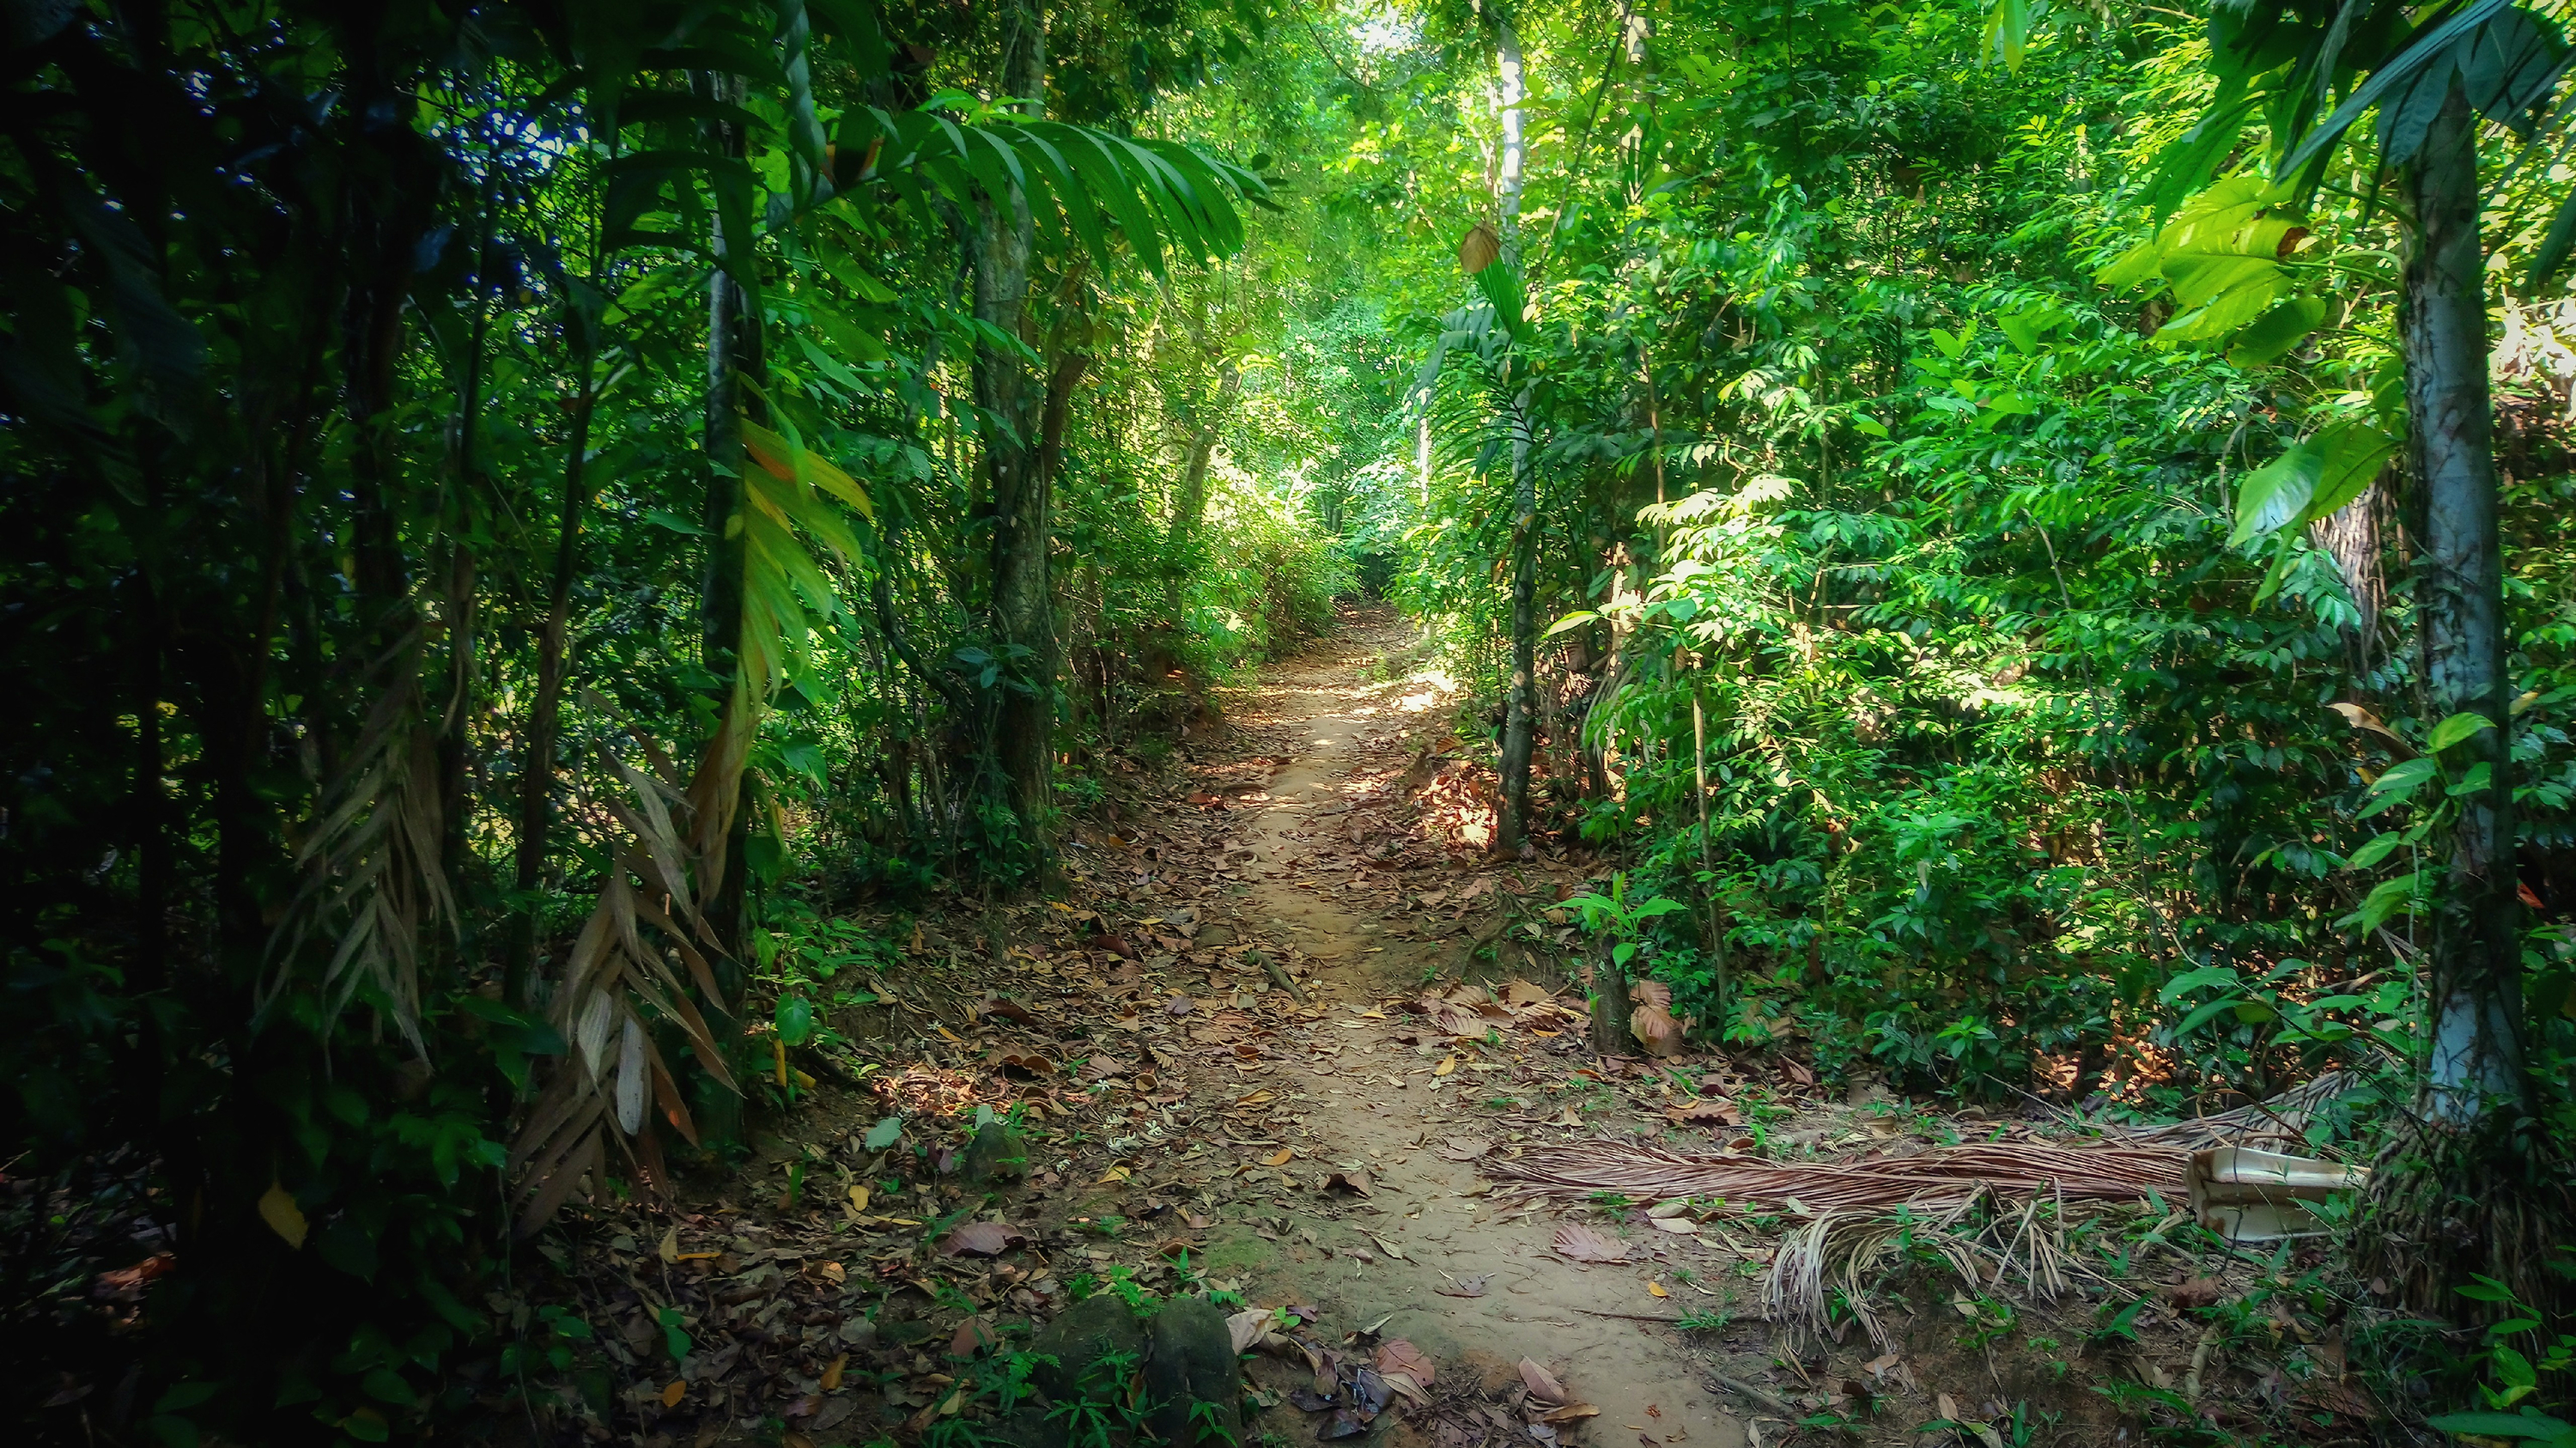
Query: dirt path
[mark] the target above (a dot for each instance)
(1399, 1258)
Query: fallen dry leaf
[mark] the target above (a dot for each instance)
(1656, 1031)
(1248, 1327)
(672, 1395)
(1351, 1179)
(1570, 1412)
(832, 1374)
(669, 1251)
(1586, 1244)
(1281, 1157)
(1464, 1286)
(1462, 1148)
(2195, 1292)
(1657, 1288)
(972, 1336)
(1400, 1356)
(1707, 1110)
(1541, 1383)
(1683, 1225)
(980, 1239)
(859, 1196)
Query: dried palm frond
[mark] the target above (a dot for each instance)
(2281, 1120)
(371, 862)
(619, 978)
(1933, 1180)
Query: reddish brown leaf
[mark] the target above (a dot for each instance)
(1586, 1244)
(1351, 1179)
(980, 1239)
(972, 1336)
(1656, 1030)
(1401, 1356)
(1541, 1383)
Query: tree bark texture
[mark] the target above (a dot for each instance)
(1013, 404)
(733, 357)
(1190, 505)
(1520, 703)
(2477, 1051)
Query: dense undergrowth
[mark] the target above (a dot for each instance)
(519, 515)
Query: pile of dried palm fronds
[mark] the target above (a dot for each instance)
(1933, 1180)
(2280, 1121)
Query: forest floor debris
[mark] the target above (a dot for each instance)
(1289, 1039)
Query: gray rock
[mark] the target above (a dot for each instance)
(1193, 1383)
(1083, 1355)
(1092, 1330)
(996, 1155)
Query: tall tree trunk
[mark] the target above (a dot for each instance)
(733, 358)
(2477, 1052)
(1520, 703)
(1191, 504)
(1013, 404)
(2352, 534)
(537, 767)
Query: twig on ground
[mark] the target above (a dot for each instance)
(1764, 1396)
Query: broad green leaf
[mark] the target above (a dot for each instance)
(2525, 1424)
(2451, 731)
(2192, 980)
(1576, 619)
(2391, 898)
(2271, 336)
(794, 1020)
(2276, 493)
(2354, 453)
(2374, 850)
(885, 1133)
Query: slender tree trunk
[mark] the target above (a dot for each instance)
(537, 769)
(1013, 404)
(733, 358)
(1191, 504)
(1520, 702)
(2477, 1052)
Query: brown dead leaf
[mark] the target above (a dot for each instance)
(1464, 1286)
(1707, 1110)
(1350, 1179)
(1651, 993)
(1541, 1383)
(1462, 1148)
(1570, 1412)
(1656, 1031)
(1401, 1356)
(832, 1374)
(1587, 1244)
(980, 1239)
(2195, 1292)
(1281, 1157)
(972, 1336)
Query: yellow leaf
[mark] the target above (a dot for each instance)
(277, 1208)
(672, 1395)
(669, 1251)
(952, 1035)
(805, 1081)
(832, 1374)
(1657, 1288)
(697, 1256)
(1447, 1065)
(1114, 1174)
(779, 1048)
(1281, 1157)
(858, 1197)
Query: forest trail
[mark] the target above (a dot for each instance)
(1430, 1231)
